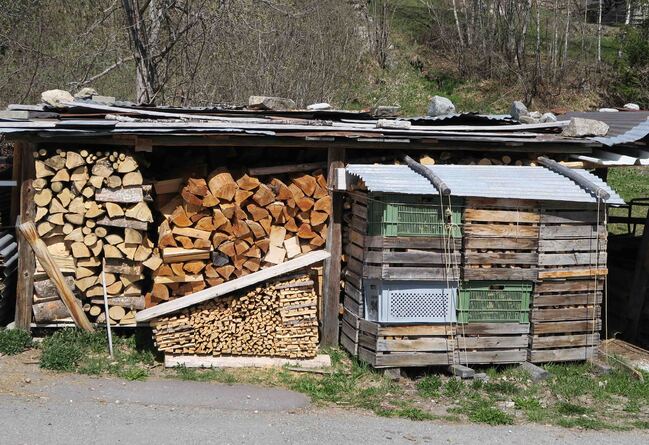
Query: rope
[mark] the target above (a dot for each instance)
(456, 273)
(597, 247)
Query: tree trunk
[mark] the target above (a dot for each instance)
(146, 85)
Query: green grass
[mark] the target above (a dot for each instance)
(429, 386)
(570, 409)
(204, 375)
(14, 341)
(483, 411)
(629, 182)
(73, 350)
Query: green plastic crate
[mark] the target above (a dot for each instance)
(410, 215)
(494, 302)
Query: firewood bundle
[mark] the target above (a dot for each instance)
(92, 207)
(277, 320)
(221, 228)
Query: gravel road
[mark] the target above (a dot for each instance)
(37, 407)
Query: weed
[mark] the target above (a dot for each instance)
(453, 387)
(14, 341)
(570, 409)
(632, 406)
(477, 385)
(586, 423)
(527, 403)
(641, 424)
(205, 375)
(63, 350)
(483, 412)
(429, 386)
(133, 373)
(502, 387)
(413, 413)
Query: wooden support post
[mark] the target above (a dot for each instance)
(331, 275)
(640, 284)
(17, 176)
(26, 261)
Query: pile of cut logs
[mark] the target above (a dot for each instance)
(221, 228)
(278, 319)
(91, 208)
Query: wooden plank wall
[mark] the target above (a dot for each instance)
(566, 305)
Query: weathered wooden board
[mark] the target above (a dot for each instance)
(561, 355)
(562, 341)
(501, 230)
(572, 245)
(403, 359)
(501, 243)
(571, 217)
(570, 273)
(501, 342)
(499, 258)
(564, 314)
(493, 328)
(424, 344)
(565, 327)
(348, 344)
(568, 299)
(572, 259)
(506, 216)
(500, 273)
(499, 356)
(572, 231)
(577, 285)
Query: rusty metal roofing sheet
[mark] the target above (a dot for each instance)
(482, 181)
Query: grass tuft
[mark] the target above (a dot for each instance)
(14, 341)
(429, 386)
(482, 411)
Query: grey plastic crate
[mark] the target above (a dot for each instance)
(409, 302)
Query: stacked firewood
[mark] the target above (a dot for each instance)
(221, 228)
(92, 208)
(277, 320)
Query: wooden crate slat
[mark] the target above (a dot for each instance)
(561, 355)
(572, 245)
(499, 356)
(572, 231)
(502, 243)
(565, 314)
(490, 258)
(560, 341)
(571, 217)
(578, 285)
(349, 344)
(501, 230)
(570, 273)
(501, 342)
(493, 328)
(572, 259)
(500, 273)
(425, 344)
(569, 299)
(403, 359)
(561, 327)
(506, 216)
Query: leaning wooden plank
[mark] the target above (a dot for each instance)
(28, 229)
(230, 286)
(192, 361)
(126, 195)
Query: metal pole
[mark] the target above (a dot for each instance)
(103, 284)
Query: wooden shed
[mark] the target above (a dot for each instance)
(192, 213)
(514, 256)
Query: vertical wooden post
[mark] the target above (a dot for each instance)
(16, 176)
(331, 277)
(26, 261)
(640, 285)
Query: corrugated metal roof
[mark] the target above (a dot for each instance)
(482, 181)
(624, 126)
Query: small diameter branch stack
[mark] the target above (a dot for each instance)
(276, 319)
(92, 207)
(221, 228)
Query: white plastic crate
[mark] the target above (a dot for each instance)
(409, 302)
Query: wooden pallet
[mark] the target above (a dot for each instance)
(565, 319)
(500, 243)
(492, 343)
(405, 346)
(349, 332)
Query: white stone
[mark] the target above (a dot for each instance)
(631, 106)
(536, 114)
(319, 106)
(54, 98)
(85, 93)
(580, 127)
(270, 103)
(440, 106)
(608, 110)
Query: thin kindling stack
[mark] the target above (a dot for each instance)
(277, 319)
(220, 228)
(91, 209)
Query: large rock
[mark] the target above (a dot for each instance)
(54, 98)
(270, 103)
(518, 109)
(580, 127)
(440, 106)
(631, 106)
